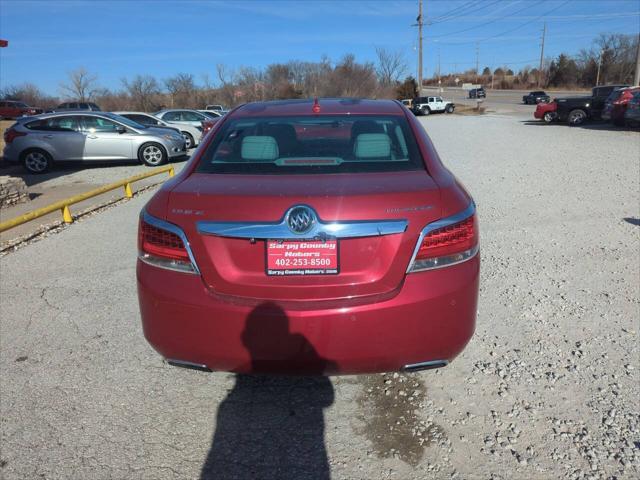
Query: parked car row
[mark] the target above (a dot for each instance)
(609, 102)
(87, 134)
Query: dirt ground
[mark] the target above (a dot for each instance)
(547, 388)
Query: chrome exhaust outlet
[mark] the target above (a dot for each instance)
(189, 365)
(416, 367)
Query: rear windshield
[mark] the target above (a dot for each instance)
(327, 144)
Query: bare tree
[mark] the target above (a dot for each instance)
(30, 94)
(352, 79)
(182, 89)
(391, 66)
(82, 85)
(142, 89)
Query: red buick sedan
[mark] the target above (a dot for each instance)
(311, 237)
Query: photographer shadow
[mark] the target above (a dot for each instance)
(272, 427)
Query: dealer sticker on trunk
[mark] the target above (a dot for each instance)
(302, 257)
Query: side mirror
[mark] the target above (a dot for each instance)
(120, 129)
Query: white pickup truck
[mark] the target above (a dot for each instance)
(427, 105)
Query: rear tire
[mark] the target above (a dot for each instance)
(190, 142)
(577, 117)
(152, 154)
(36, 161)
(548, 117)
(426, 111)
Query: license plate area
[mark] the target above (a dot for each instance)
(302, 257)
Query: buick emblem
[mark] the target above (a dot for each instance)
(300, 219)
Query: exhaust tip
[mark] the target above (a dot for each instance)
(189, 365)
(430, 365)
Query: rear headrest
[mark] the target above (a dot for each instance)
(365, 126)
(372, 145)
(259, 148)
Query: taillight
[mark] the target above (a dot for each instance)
(447, 242)
(11, 134)
(164, 245)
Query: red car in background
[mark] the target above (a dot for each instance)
(616, 105)
(208, 124)
(311, 238)
(11, 109)
(546, 111)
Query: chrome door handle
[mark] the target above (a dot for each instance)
(47, 136)
(92, 136)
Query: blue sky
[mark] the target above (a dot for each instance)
(118, 38)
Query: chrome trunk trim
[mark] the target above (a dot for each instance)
(318, 230)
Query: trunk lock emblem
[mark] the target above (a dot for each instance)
(300, 219)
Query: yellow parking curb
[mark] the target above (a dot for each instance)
(63, 205)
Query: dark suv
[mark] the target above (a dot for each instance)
(92, 107)
(477, 93)
(535, 97)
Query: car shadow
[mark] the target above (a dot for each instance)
(632, 221)
(591, 125)
(272, 427)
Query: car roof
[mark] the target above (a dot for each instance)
(328, 106)
(176, 110)
(66, 113)
(125, 112)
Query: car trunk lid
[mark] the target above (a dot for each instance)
(389, 208)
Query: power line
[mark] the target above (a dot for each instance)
(445, 16)
(527, 23)
(471, 9)
(518, 27)
(487, 23)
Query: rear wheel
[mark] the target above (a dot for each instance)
(577, 117)
(426, 111)
(152, 154)
(548, 117)
(36, 161)
(189, 141)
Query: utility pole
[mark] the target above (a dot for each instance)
(477, 59)
(544, 34)
(599, 64)
(439, 82)
(420, 23)
(636, 77)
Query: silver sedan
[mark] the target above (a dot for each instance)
(192, 134)
(40, 141)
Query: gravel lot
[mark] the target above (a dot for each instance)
(548, 388)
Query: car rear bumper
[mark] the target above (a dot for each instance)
(431, 318)
(10, 154)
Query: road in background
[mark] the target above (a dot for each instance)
(501, 101)
(546, 389)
